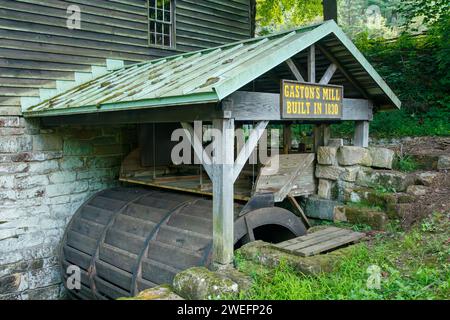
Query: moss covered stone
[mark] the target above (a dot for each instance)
(361, 215)
(164, 292)
(200, 283)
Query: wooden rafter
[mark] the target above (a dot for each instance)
(347, 75)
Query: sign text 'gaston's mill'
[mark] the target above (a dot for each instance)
(310, 101)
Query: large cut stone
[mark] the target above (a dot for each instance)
(392, 180)
(444, 163)
(349, 156)
(324, 190)
(320, 208)
(329, 172)
(351, 173)
(426, 178)
(327, 155)
(360, 215)
(335, 143)
(417, 190)
(156, 293)
(200, 283)
(382, 158)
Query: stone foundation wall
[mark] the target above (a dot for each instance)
(45, 175)
(341, 169)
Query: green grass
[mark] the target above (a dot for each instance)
(415, 265)
(406, 164)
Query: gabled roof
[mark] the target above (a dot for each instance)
(210, 75)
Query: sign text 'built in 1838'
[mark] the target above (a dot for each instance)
(301, 100)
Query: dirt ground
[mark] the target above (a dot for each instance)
(430, 146)
(437, 199)
(438, 195)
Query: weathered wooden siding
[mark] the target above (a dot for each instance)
(37, 48)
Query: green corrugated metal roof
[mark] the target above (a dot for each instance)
(198, 77)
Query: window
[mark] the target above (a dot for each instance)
(161, 23)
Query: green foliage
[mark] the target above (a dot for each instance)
(430, 11)
(417, 68)
(276, 15)
(406, 164)
(414, 265)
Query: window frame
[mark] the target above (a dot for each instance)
(172, 34)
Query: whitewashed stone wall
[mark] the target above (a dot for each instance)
(45, 175)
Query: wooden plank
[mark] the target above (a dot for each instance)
(317, 240)
(308, 236)
(280, 182)
(331, 244)
(300, 210)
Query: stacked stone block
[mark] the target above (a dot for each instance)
(340, 169)
(45, 175)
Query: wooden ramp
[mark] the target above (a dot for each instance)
(320, 241)
(294, 175)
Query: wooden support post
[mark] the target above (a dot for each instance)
(287, 138)
(361, 138)
(321, 136)
(223, 189)
(312, 64)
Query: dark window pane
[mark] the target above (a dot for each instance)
(151, 3)
(159, 39)
(152, 14)
(167, 16)
(159, 28)
(167, 41)
(159, 15)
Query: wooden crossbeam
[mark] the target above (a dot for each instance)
(295, 71)
(248, 148)
(328, 74)
(197, 144)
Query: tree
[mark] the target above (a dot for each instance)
(277, 15)
(430, 11)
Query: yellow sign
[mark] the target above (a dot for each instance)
(310, 101)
